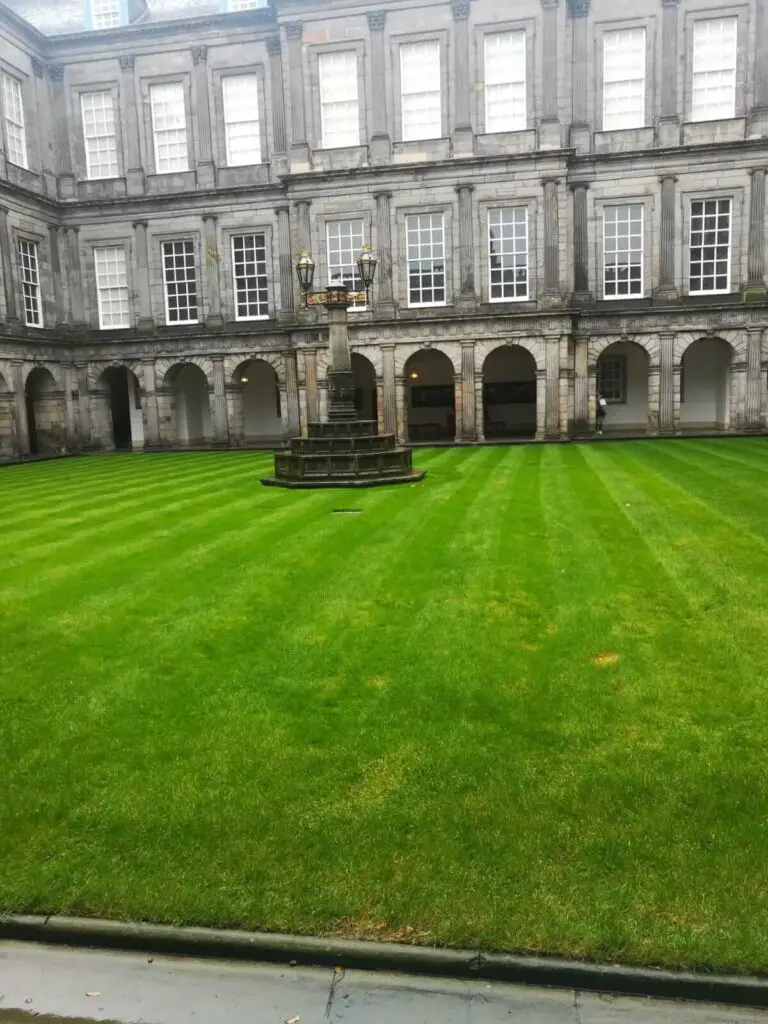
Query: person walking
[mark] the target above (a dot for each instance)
(602, 409)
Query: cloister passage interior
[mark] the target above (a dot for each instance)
(255, 404)
(116, 409)
(509, 393)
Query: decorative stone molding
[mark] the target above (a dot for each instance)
(55, 72)
(38, 67)
(376, 20)
(127, 62)
(294, 30)
(460, 9)
(578, 8)
(199, 54)
(274, 46)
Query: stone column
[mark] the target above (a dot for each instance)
(756, 254)
(463, 141)
(669, 122)
(581, 294)
(381, 144)
(144, 320)
(549, 131)
(152, 425)
(219, 410)
(310, 379)
(402, 409)
(758, 120)
(566, 398)
(385, 303)
(75, 278)
(134, 172)
(466, 428)
(479, 407)
(84, 405)
(274, 49)
(552, 399)
(389, 389)
(667, 290)
(58, 291)
(551, 293)
(299, 149)
(581, 386)
(6, 259)
(754, 412)
(291, 420)
(212, 270)
(467, 299)
(206, 172)
(71, 439)
(19, 395)
(66, 179)
(581, 130)
(44, 128)
(667, 419)
(286, 311)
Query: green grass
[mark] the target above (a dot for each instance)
(523, 705)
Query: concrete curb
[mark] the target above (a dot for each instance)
(377, 956)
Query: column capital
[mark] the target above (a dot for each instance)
(55, 72)
(550, 4)
(756, 170)
(670, 3)
(578, 8)
(38, 67)
(460, 9)
(141, 224)
(465, 187)
(667, 177)
(274, 46)
(467, 343)
(127, 62)
(575, 185)
(199, 54)
(550, 181)
(210, 216)
(376, 20)
(294, 30)
(383, 194)
(282, 209)
(304, 202)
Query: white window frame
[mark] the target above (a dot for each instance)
(513, 252)
(348, 241)
(171, 248)
(419, 217)
(28, 256)
(624, 73)
(506, 86)
(240, 101)
(243, 279)
(694, 203)
(610, 210)
(159, 93)
(106, 14)
(338, 96)
(721, 65)
(409, 131)
(13, 115)
(110, 265)
(100, 145)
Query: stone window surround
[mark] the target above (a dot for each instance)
(157, 280)
(482, 262)
(479, 32)
(228, 301)
(219, 72)
(29, 100)
(90, 291)
(595, 242)
(400, 256)
(77, 134)
(50, 314)
(314, 117)
(183, 78)
(650, 23)
(742, 38)
(321, 222)
(736, 193)
(440, 36)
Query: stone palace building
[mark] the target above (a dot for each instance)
(562, 195)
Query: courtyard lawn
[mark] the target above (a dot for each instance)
(522, 705)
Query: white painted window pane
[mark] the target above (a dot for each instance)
(425, 253)
(249, 269)
(624, 79)
(241, 119)
(338, 99)
(29, 276)
(169, 125)
(710, 246)
(105, 13)
(112, 287)
(714, 69)
(508, 253)
(99, 134)
(420, 87)
(344, 240)
(180, 282)
(15, 131)
(505, 82)
(623, 251)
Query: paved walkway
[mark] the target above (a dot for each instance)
(41, 985)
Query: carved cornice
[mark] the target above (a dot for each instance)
(38, 67)
(127, 62)
(376, 20)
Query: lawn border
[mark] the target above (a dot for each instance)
(296, 950)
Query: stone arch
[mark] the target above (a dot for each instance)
(706, 383)
(450, 349)
(374, 356)
(233, 362)
(648, 342)
(55, 372)
(430, 396)
(736, 339)
(117, 419)
(533, 346)
(46, 411)
(366, 399)
(255, 403)
(185, 403)
(622, 373)
(96, 371)
(509, 392)
(163, 368)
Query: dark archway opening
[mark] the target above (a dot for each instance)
(509, 393)
(366, 403)
(120, 406)
(430, 396)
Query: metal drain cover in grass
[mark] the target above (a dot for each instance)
(347, 511)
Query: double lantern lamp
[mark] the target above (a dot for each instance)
(366, 265)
